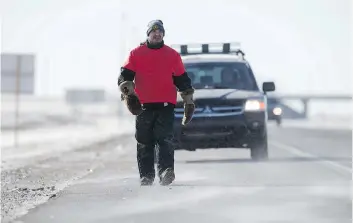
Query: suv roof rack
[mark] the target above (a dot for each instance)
(209, 48)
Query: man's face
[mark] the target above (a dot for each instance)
(156, 36)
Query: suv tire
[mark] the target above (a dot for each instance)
(259, 149)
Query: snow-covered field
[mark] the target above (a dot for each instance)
(49, 127)
(36, 112)
(37, 144)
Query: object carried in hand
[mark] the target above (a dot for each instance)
(189, 110)
(189, 106)
(129, 97)
(132, 103)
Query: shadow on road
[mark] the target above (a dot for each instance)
(270, 160)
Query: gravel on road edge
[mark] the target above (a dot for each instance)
(25, 188)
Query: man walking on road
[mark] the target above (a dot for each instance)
(149, 81)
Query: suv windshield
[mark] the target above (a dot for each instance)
(220, 75)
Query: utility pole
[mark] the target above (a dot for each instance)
(17, 99)
(122, 44)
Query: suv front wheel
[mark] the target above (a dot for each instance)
(259, 149)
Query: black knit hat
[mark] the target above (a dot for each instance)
(154, 25)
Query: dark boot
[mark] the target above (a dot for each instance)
(167, 177)
(145, 181)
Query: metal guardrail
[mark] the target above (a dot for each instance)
(314, 97)
(305, 99)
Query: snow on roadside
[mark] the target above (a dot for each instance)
(43, 143)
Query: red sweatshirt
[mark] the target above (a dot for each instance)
(157, 74)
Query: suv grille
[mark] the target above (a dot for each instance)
(218, 102)
(213, 108)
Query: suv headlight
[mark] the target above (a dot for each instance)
(255, 105)
(277, 111)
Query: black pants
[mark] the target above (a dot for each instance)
(154, 130)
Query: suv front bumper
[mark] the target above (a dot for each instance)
(216, 132)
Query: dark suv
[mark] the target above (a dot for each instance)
(231, 110)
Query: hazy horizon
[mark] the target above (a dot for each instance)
(304, 46)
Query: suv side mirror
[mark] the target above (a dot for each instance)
(268, 86)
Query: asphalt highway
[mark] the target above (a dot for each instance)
(307, 179)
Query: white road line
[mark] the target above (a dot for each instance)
(301, 153)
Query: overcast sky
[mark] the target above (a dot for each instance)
(78, 43)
